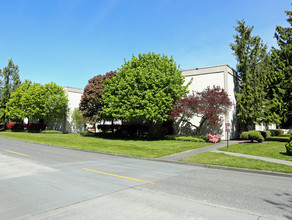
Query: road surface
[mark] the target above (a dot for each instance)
(47, 182)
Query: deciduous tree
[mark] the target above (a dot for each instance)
(210, 105)
(144, 88)
(33, 100)
(91, 101)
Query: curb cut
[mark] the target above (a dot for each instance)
(243, 170)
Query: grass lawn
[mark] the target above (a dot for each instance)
(272, 149)
(142, 148)
(222, 159)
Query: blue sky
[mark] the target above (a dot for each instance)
(70, 41)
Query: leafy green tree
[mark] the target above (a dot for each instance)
(252, 57)
(144, 88)
(77, 120)
(91, 101)
(15, 106)
(33, 100)
(10, 82)
(280, 91)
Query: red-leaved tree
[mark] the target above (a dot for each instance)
(91, 101)
(210, 105)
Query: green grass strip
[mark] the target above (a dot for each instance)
(222, 159)
(272, 149)
(141, 148)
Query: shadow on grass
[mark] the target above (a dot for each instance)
(285, 153)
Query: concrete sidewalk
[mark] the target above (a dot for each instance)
(189, 153)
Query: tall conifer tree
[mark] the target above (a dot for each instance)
(10, 82)
(251, 54)
(281, 79)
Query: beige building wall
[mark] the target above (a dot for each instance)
(223, 76)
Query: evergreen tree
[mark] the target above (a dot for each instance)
(11, 81)
(252, 57)
(281, 79)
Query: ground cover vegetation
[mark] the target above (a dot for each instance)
(222, 159)
(134, 147)
(265, 77)
(270, 149)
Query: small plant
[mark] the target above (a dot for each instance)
(288, 145)
(253, 135)
(266, 134)
(213, 138)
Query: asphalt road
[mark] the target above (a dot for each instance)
(46, 182)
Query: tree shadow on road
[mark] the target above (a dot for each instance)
(286, 207)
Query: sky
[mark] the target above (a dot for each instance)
(70, 41)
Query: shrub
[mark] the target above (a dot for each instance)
(213, 138)
(9, 126)
(13, 126)
(266, 134)
(275, 132)
(87, 134)
(280, 131)
(184, 138)
(244, 135)
(35, 127)
(288, 145)
(204, 138)
(253, 135)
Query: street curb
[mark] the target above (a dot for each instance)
(243, 170)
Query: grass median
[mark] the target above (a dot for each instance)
(270, 149)
(141, 148)
(222, 159)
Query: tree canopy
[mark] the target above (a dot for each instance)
(9, 83)
(91, 101)
(280, 91)
(33, 100)
(209, 105)
(252, 58)
(144, 88)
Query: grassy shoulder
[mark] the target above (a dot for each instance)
(141, 148)
(222, 159)
(272, 149)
